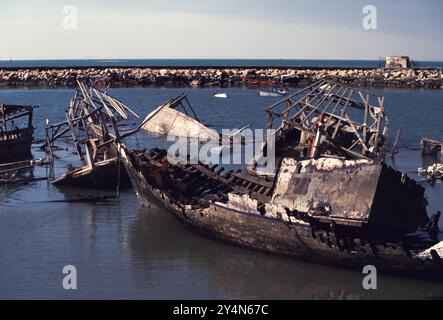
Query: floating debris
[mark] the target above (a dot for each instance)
(20, 172)
(432, 172)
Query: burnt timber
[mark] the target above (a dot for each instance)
(332, 200)
(328, 119)
(239, 209)
(104, 176)
(15, 142)
(90, 120)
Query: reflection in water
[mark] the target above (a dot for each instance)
(13, 178)
(92, 225)
(156, 238)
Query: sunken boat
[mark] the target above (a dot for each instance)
(103, 172)
(15, 141)
(332, 198)
(177, 118)
(90, 123)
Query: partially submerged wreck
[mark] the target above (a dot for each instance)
(332, 199)
(90, 122)
(177, 118)
(15, 142)
(21, 172)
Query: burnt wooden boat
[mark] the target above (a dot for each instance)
(103, 175)
(376, 220)
(101, 169)
(15, 142)
(90, 120)
(331, 197)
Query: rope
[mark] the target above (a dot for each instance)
(117, 192)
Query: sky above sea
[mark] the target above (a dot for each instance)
(220, 29)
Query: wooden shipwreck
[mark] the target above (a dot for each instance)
(90, 123)
(332, 199)
(15, 141)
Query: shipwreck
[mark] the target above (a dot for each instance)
(89, 124)
(178, 118)
(332, 199)
(15, 141)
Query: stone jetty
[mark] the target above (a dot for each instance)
(130, 76)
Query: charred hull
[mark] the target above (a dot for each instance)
(16, 146)
(104, 176)
(15, 142)
(242, 220)
(358, 193)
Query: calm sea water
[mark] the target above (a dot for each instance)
(124, 251)
(209, 62)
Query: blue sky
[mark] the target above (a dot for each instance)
(293, 29)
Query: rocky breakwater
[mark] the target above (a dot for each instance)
(126, 77)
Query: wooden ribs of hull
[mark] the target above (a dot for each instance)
(294, 240)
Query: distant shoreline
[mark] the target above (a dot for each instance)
(207, 76)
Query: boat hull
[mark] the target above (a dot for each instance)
(16, 146)
(103, 177)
